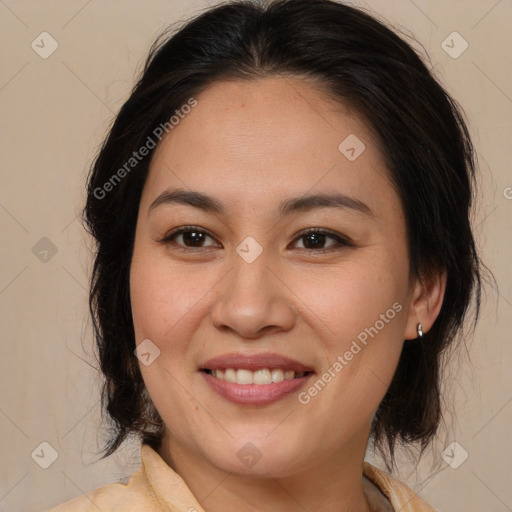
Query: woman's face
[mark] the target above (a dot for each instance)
(246, 294)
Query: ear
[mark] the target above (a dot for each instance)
(425, 304)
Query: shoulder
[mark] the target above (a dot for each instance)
(118, 497)
(401, 497)
(155, 486)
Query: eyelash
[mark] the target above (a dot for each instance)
(342, 241)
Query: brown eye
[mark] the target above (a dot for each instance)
(315, 239)
(188, 237)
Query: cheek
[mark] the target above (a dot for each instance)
(162, 301)
(359, 307)
(351, 297)
(162, 297)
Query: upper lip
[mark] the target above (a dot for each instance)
(254, 362)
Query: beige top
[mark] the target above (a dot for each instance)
(156, 487)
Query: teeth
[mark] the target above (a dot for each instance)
(277, 375)
(262, 377)
(259, 377)
(244, 377)
(219, 374)
(230, 375)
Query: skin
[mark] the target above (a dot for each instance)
(251, 145)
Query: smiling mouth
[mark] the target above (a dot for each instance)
(261, 377)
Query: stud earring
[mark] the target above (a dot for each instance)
(420, 331)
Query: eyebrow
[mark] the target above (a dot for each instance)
(293, 205)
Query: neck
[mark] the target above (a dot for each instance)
(334, 484)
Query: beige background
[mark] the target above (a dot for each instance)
(54, 113)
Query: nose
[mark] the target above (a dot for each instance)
(253, 300)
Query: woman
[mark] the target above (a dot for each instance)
(284, 253)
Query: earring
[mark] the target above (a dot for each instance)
(420, 331)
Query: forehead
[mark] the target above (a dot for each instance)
(256, 140)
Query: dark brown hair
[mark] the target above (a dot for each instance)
(422, 136)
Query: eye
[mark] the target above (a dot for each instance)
(316, 238)
(192, 237)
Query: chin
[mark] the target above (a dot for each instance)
(251, 453)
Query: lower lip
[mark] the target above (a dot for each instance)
(255, 394)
